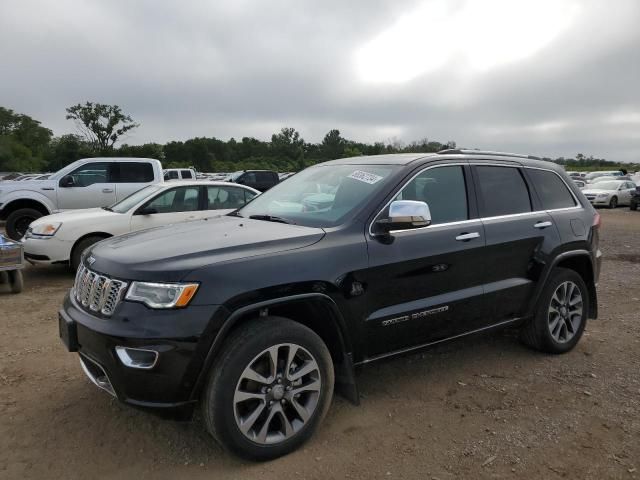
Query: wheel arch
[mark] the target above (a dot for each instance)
(314, 310)
(579, 261)
(17, 204)
(87, 235)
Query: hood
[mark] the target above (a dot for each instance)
(69, 216)
(594, 191)
(169, 253)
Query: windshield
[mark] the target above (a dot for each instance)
(132, 200)
(320, 196)
(606, 185)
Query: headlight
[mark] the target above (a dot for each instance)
(162, 295)
(603, 195)
(46, 229)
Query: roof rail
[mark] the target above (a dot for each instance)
(467, 151)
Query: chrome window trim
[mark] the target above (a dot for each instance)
(577, 206)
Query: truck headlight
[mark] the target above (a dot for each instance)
(46, 229)
(162, 295)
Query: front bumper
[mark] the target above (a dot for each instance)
(46, 250)
(180, 337)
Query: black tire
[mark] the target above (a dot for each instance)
(18, 222)
(78, 248)
(536, 333)
(613, 203)
(4, 277)
(15, 281)
(633, 205)
(242, 348)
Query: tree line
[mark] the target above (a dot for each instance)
(27, 146)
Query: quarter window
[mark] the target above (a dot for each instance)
(551, 189)
(443, 189)
(503, 191)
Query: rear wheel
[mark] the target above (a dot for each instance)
(561, 314)
(15, 281)
(269, 389)
(613, 203)
(18, 222)
(633, 205)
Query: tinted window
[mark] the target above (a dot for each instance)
(225, 198)
(503, 191)
(90, 173)
(551, 189)
(170, 175)
(249, 177)
(186, 174)
(183, 199)
(443, 189)
(134, 172)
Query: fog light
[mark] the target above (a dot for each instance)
(137, 357)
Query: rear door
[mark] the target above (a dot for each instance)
(93, 186)
(131, 177)
(519, 238)
(426, 284)
(179, 204)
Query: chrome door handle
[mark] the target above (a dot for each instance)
(542, 225)
(463, 237)
(107, 190)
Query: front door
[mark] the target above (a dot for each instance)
(93, 186)
(426, 284)
(179, 204)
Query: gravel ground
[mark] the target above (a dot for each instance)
(482, 407)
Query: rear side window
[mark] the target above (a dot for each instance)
(171, 175)
(443, 189)
(551, 189)
(134, 172)
(186, 174)
(503, 191)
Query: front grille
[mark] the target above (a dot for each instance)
(97, 292)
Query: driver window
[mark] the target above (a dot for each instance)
(183, 199)
(443, 189)
(89, 174)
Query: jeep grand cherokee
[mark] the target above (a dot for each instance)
(255, 316)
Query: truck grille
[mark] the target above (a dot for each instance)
(97, 292)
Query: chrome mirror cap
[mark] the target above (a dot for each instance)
(411, 212)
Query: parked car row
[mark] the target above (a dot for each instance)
(255, 316)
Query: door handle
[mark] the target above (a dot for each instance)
(542, 224)
(464, 237)
(107, 190)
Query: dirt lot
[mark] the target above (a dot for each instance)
(483, 407)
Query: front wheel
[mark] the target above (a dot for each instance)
(18, 222)
(561, 313)
(269, 388)
(613, 203)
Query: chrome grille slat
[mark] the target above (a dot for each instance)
(96, 292)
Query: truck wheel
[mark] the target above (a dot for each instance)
(18, 222)
(15, 281)
(269, 389)
(4, 277)
(613, 203)
(561, 314)
(78, 248)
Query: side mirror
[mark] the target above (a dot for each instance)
(67, 181)
(405, 215)
(146, 211)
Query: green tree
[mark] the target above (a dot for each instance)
(333, 145)
(67, 149)
(102, 125)
(289, 144)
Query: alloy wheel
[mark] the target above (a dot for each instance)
(277, 394)
(565, 312)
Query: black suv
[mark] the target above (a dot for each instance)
(261, 180)
(635, 198)
(258, 314)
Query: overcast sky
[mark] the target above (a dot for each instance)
(547, 77)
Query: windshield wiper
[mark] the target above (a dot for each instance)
(235, 214)
(270, 218)
(108, 209)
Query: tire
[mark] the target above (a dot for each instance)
(613, 203)
(225, 408)
(544, 331)
(18, 222)
(633, 205)
(16, 281)
(4, 277)
(78, 248)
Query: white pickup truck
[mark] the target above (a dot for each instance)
(86, 183)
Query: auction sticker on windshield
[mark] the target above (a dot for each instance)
(365, 177)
